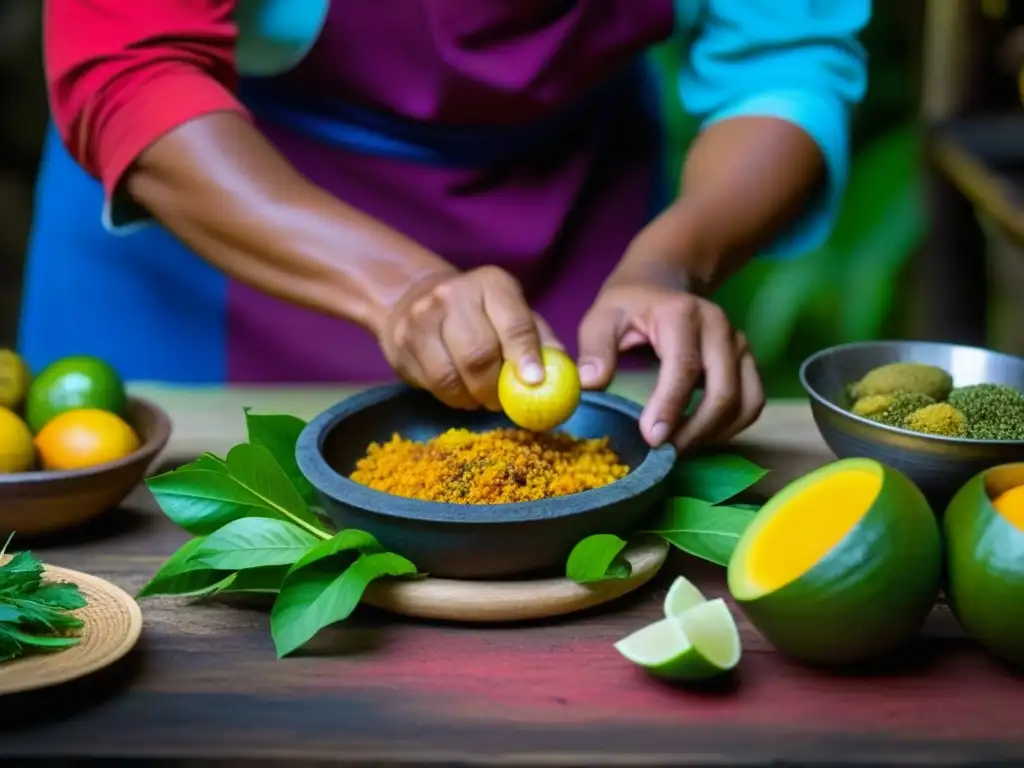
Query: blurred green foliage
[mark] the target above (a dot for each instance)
(847, 289)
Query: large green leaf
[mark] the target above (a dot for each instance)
(253, 542)
(703, 530)
(316, 596)
(714, 477)
(279, 433)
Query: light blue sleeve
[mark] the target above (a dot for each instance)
(797, 60)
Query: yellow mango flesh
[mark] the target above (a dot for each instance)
(811, 523)
(1010, 504)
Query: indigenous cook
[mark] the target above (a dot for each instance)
(351, 190)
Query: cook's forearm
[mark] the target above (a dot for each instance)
(220, 187)
(745, 180)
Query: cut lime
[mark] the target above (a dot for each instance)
(681, 597)
(697, 644)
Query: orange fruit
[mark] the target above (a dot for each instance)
(84, 438)
(16, 451)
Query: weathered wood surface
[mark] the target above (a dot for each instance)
(204, 684)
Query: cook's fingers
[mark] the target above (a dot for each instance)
(441, 376)
(546, 333)
(514, 325)
(599, 336)
(676, 339)
(751, 397)
(474, 348)
(721, 401)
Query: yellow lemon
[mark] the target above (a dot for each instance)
(539, 407)
(16, 451)
(14, 379)
(84, 438)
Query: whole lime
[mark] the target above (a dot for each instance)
(72, 383)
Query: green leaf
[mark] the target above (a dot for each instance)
(249, 483)
(316, 596)
(202, 500)
(253, 542)
(255, 468)
(598, 558)
(714, 477)
(179, 576)
(703, 530)
(267, 579)
(41, 642)
(207, 461)
(279, 433)
(349, 540)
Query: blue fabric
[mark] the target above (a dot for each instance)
(143, 301)
(796, 60)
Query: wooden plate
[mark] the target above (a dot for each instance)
(508, 601)
(113, 623)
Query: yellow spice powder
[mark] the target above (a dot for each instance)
(495, 467)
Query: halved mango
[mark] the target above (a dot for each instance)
(842, 565)
(984, 528)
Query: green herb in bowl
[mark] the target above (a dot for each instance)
(35, 614)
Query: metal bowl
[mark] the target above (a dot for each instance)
(938, 465)
(476, 541)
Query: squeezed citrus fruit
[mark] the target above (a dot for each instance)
(16, 451)
(984, 535)
(840, 566)
(539, 407)
(73, 383)
(14, 379)
(84, 438)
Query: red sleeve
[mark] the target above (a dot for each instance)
(122, 73)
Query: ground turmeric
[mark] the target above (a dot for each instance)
(495, 467)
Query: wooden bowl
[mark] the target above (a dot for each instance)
(34, 503)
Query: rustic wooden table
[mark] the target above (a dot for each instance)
(204, 685)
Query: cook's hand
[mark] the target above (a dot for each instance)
(450, 334)
(692, 337)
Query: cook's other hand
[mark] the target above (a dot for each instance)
(693, 338)
(449, 334)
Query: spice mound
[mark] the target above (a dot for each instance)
(496, 467)
(922, 398)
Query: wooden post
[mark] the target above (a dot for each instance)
(951, 271)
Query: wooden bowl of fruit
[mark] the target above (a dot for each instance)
(72, 443)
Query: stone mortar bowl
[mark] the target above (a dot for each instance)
(475, 541)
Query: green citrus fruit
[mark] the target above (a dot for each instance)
(14, 379)
(16, 451)
(984, 527)
(699, 643)
(841, 566)
(681, 597)
(73, 383)
(539, 407)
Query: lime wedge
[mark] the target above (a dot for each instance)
(697, 644)
(681, 597)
